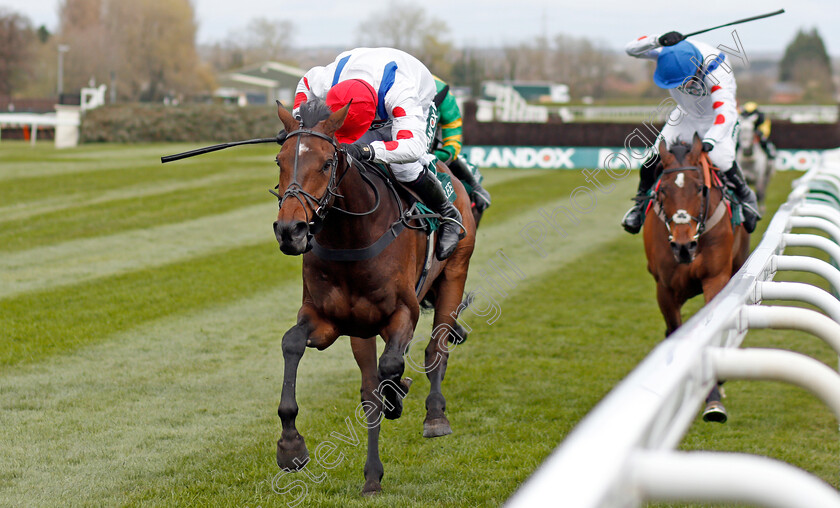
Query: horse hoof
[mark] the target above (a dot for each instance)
(715, 412)
(393, 409)
(371, 488)
(292, 454)
(437, 427)
(459, 336)
(393, 405)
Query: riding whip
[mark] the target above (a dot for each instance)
(279, 138)
(753, 18)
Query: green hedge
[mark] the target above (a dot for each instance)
(145, 123)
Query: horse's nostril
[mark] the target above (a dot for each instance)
(692, 246)
(299, 229)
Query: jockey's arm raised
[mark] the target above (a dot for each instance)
(646, 46)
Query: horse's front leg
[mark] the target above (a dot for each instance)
(714, 285)
(291, 448)
(392, 389)
(364, 350)
(670, 308)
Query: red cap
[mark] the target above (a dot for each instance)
(362, 109)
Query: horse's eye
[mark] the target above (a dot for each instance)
(327, 165)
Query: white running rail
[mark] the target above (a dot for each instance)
(623, 453)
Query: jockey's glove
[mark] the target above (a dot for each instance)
(707, 147)
(359, 151)
(670, 38)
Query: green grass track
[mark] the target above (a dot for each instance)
(142, 308)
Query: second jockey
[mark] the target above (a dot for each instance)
(449, 149)
(391, 120)
(761, 124)
(702, 84)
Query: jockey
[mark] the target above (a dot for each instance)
(448, 151)
(391, 120)
(751, 113)
(702, 84)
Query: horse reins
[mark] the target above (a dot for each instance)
(323, 204)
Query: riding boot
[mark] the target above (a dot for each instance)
(479, 194)
(635, 217)
(745, 195)
(450, 232)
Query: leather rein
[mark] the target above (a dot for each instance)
(326, 202)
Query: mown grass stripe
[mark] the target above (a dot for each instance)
(91, 427)
(142, 358)
(94, 220)
(80, 260)
(513, 390)
(60, 320)
(95, 173)
(67, 202)
(23, 161)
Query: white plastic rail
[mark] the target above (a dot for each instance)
(623, 453)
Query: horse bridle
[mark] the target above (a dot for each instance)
(683, 217)
(325, 203)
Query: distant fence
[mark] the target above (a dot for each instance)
(785, 134)
(794, 113)
(623, 453)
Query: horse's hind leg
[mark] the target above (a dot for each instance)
(291, 448)
(437, 354)
(364, 350)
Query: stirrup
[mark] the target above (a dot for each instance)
(462, 233)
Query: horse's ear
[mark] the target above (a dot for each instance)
(696, 145)
(289, 122)
(336, 120)
(664, 155)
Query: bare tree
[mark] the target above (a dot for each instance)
(407, 27)
(16, 46)
(148, 44)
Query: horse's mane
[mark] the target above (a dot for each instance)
(313, 111)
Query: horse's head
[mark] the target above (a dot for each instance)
(681, 195)
(746, 136)
(308, 163)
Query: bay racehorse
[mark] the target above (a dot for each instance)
(753, 160)
(361, 267)
(690, 242)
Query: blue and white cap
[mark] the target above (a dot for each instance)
(675, 64)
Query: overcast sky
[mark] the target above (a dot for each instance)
(495, 22)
